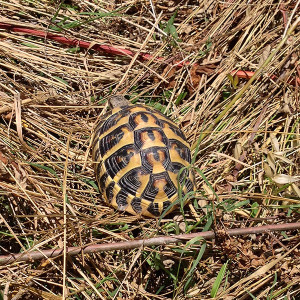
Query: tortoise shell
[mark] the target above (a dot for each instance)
(138, 153)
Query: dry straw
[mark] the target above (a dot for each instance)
(247, 164)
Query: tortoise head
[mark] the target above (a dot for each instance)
(118, 101)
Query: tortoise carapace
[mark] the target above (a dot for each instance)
(138, 153)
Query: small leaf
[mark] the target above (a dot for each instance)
(271, 161)
(226, 94)
(274, 142)
(230, 77)
(237, 150)
(29, 45)
(235, 81)
(173, 32)
(91, 183)
(254, 208)
(180, 97)
(268, 170)
(61, 80)
(71, 25)
(296, 189)
(284, 179)
(49, 169)
(73, 50)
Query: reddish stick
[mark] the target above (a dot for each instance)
(112, 49)
(75, 43)
(162, 240)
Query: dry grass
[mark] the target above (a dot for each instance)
(52, 97)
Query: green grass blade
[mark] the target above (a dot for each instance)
(218, 281)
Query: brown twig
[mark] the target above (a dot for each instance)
(157, 241)
(38, 99)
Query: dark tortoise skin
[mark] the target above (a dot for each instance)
(138, 153)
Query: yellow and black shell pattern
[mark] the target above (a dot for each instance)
(138, 153)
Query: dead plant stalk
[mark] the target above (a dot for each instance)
(157, 241)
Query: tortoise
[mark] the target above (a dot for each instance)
(138, 153)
